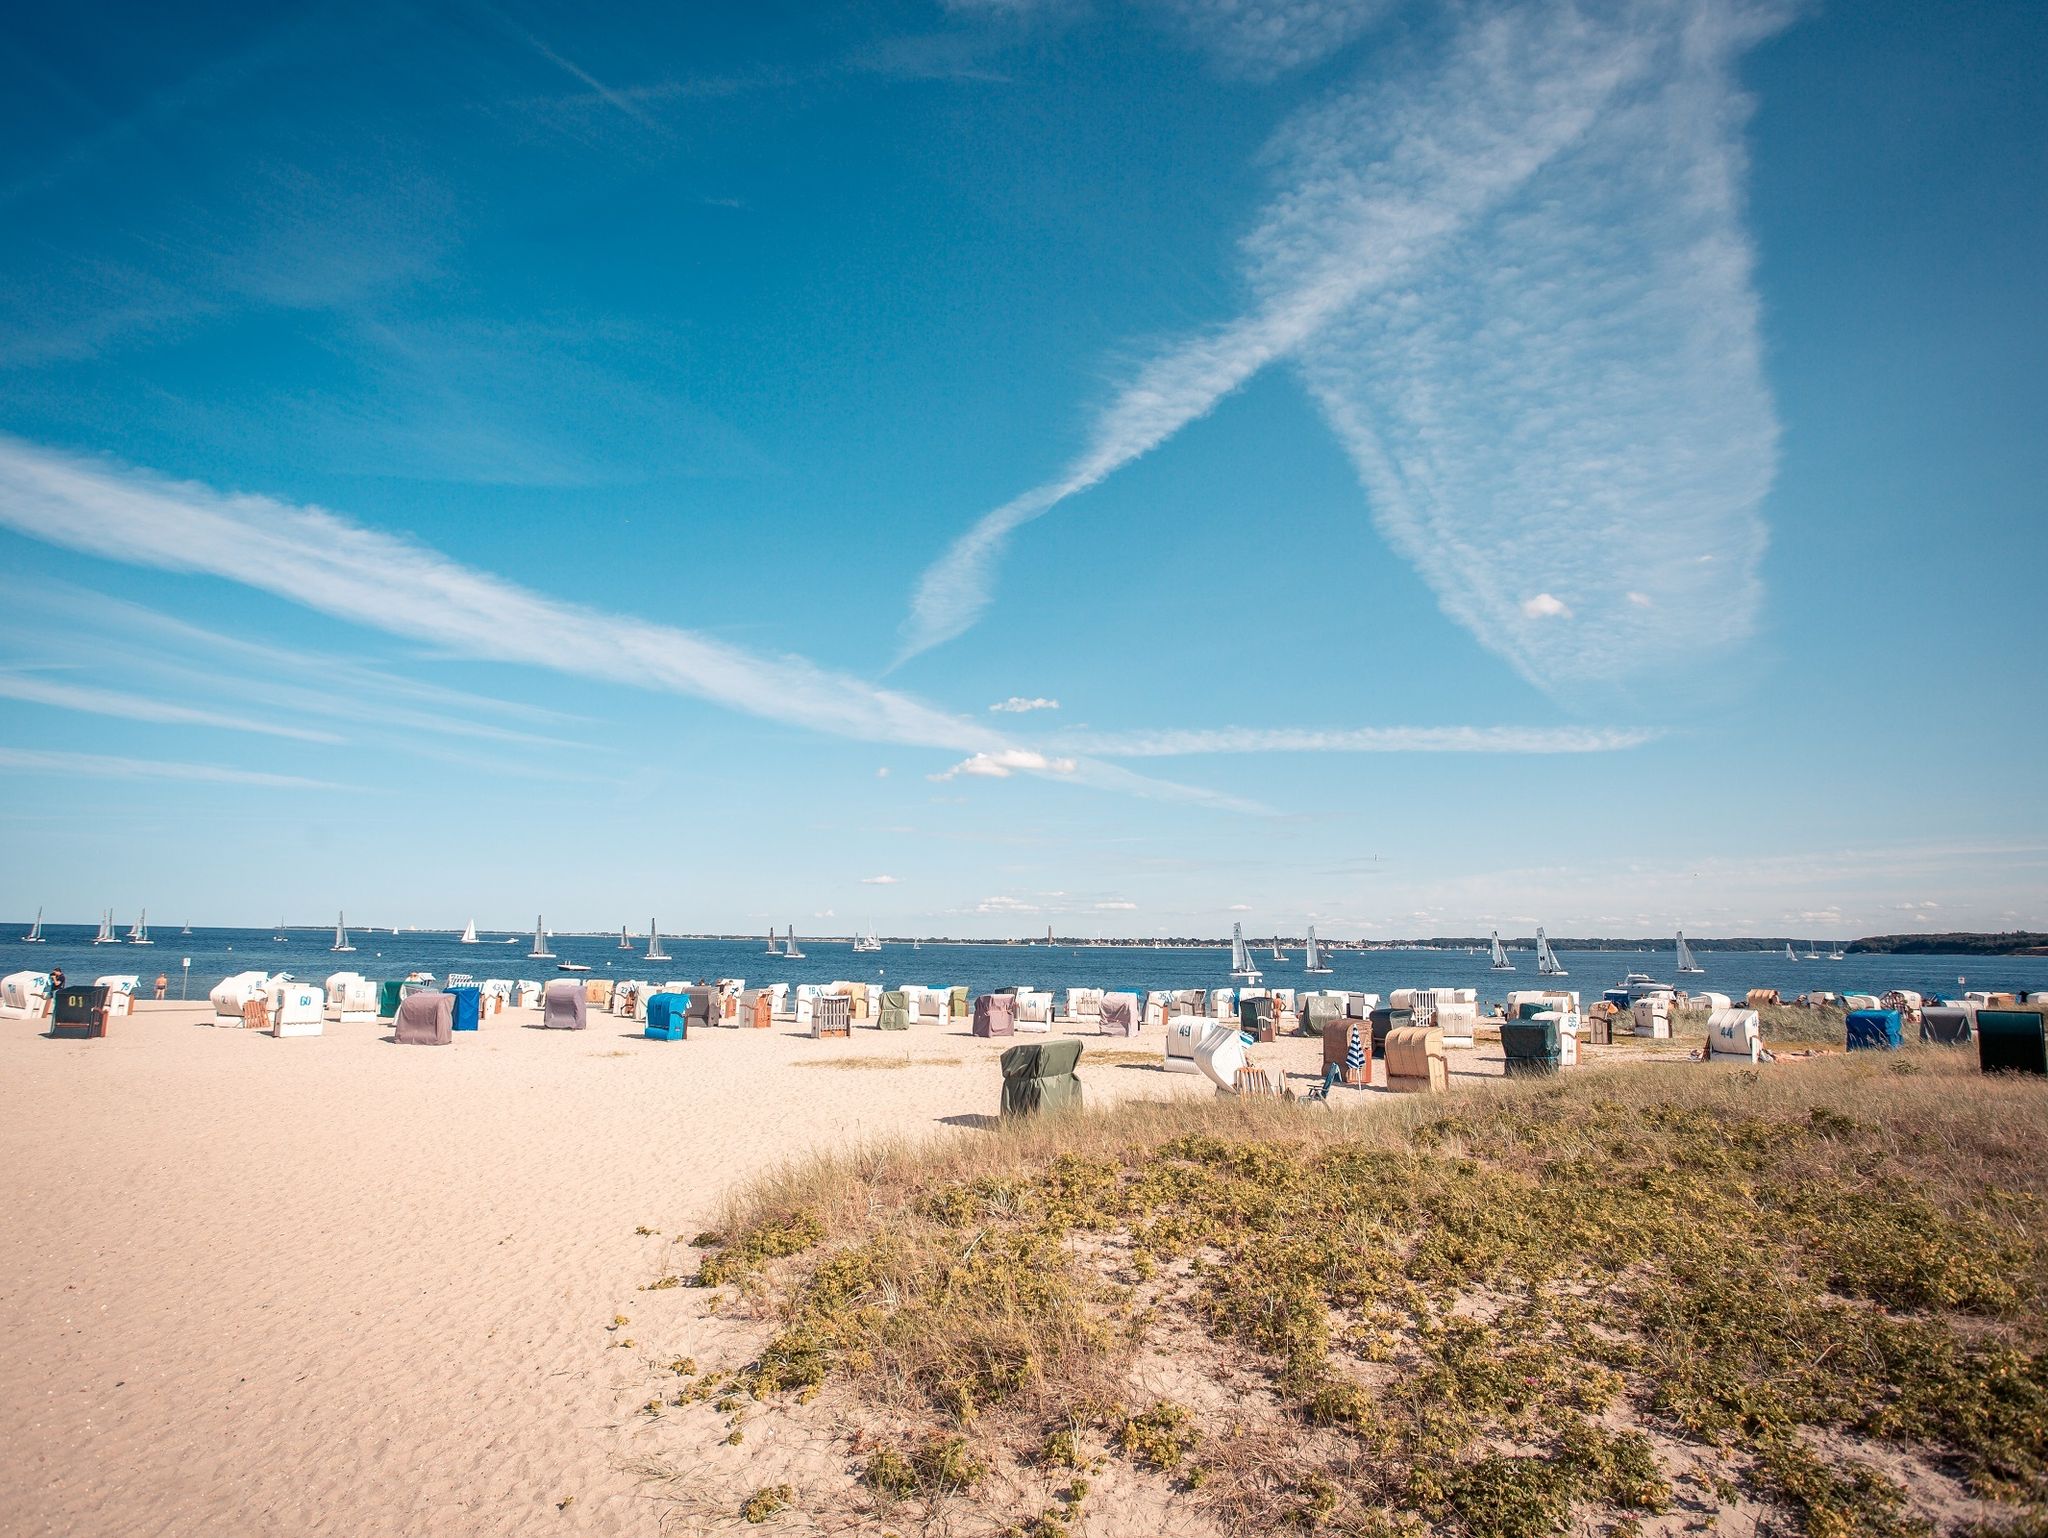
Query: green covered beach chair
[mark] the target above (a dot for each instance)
(1039, 1076)
(895, 1014)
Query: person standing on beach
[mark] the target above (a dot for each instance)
(162, 983)
(56, 980)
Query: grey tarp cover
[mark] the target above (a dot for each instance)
(1319, 1012)
(1121, 1014)
(1039, 1076)
(1949, 1027)
(995, 1014)
(425, 1020)
(563, 1006)
(895, 1014)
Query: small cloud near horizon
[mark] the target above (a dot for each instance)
(880, 880)
(1017, 705)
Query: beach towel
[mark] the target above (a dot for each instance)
(424, 1020)
(564, 1007)
(1039, 1076)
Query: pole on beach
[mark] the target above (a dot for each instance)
(185, 977)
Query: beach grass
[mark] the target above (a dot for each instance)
(1807, 1295)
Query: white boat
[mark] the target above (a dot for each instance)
(626, 936)
(571, 966)
(1790, 954)
(186, 930)
(106, 936)
(789, 946)
(469, 933)
(1812, 951)
(654, 950)
(540, 951)
(139, 935)
(1240, 957)
(1837, 955)
(1686, 965)
(35, 931)
(278, 934)
(1278, 954)
(340, 934)
(867, 944)
(774, 945)
(1500, 955)
(1546, 960)
(1313, 960)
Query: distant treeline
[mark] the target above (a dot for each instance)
(2019, 942)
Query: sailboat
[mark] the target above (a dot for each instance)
(469, 933)
(626, 936)
(186, 930)
(1686, 965)
(867, 944)
(654, 950)
(774, 945)
(1790, 954)
(1240, 957)
(341, 934)
(278, 933)
(1313, 960)
(139, 935)
(1812, 951)
(1546, 960)
(540, 951)
(789, 946)
(1836, 954)
(106, 936)
(35, 931)
(1278, 954)
(1500, 955)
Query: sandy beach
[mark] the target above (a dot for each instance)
(263, 1286)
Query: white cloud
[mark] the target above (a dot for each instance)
(1261, 39)
(328, 563)
(133, 707)
(1545, 606)
(882, 773)
(101, 767)
(1017, 705)
(1001, 765)
(1117, 907)
(1642, 600)
(880, 880)
(1364, 739)
(1239, 908)
(1517, 284)
(1005, 905)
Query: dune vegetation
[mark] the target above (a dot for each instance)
(1800, 1297)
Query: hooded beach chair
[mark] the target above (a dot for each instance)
(1875, 1030)
(1734, 1033)
(469, 1007)
(757, 1009)
(1184, 1034)
(297, 1009)
(564, 1007)
(1084, 1006)
(1381, 1021)
(895, 1012)
(2011, 1038)
(1945, 1025)
(1220, 1054)
(24, 995)
(1532, 1046)
(995, 1014)
(1119, 1015)
(1415, 1060)
(832, 1015)
(1039, 1076)
(424, 1020)
(79, 1010)
(1347, 1047)
(1255, 1017)
(668, 1017)
(1034, 1011)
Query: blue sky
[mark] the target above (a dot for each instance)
(1425, 467)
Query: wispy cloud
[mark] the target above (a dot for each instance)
(328, 563)
(1516, 282)
(1272, 37)
(880, 880)
(1364, 739)
(63, 695)
(102, 767)
(1017, 705)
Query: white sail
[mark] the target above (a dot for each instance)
(1313, 959)
(774, 945)
(1240, 955)
(341, 934)
(654, 950)
(139, 935)
(626, 935)
(1500, 955)
(1790, 954)
(1685, 962)
(35, 931)
(1546, 961)
(106, 936)
(540, 951)
(867, 944)
(789, 946)
(469, 933)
